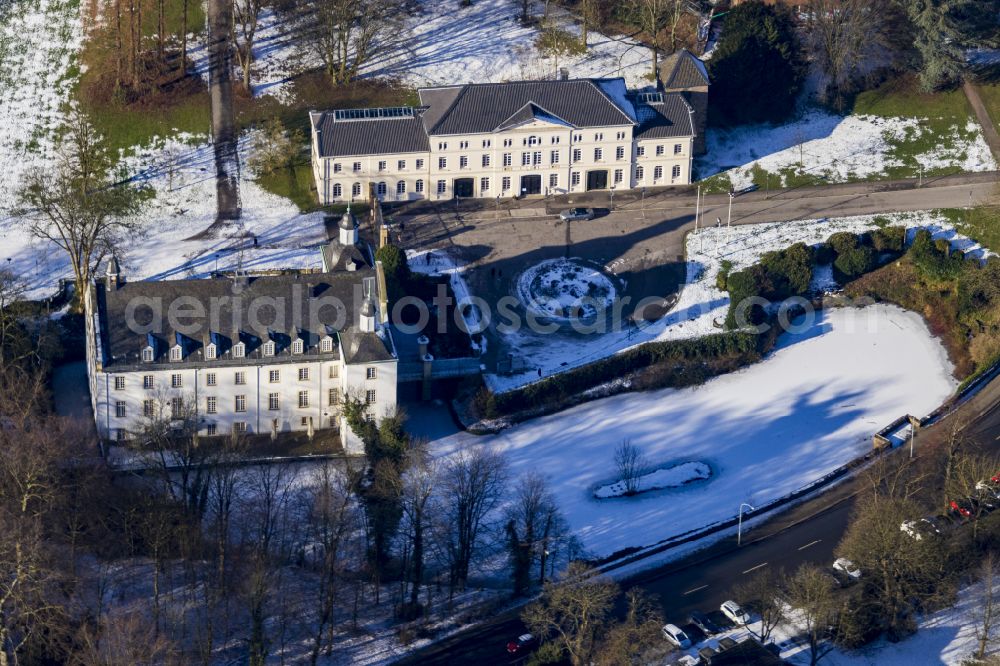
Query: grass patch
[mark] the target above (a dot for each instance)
(720, 183)
(902, 98)
(991, 100)
(127, 127)
(981, 224)
(296, 184)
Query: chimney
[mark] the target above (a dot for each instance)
(113, 274)
(564, 73)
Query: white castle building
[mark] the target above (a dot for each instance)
(249, 354)
(514, 139)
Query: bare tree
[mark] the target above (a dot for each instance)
(630, 464)
(810, 591)
(246, 16)
(525, 7)
(77, 203)
(590, 17)
(761, 595)
(418, 500)
(653, 17)
(986, 614)
(530, 517)
(573, 611)
(638, 633)
(472, 488)
(344, 33)
(967, 478)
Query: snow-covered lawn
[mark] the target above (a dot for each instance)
(673, 476)
(39, 41)
(169, 244)
(443, 44)
(837, 148)
(811, 406)
(701, 304)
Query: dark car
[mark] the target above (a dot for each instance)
(704, 623)
(962, 508)
(573, 214)
(745, 190)
(522, 644)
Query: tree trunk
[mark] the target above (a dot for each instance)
(655, 72)
(184, 38)
(220, 70)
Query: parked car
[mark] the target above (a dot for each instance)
(963, 508)
(735, 613)
(705, 623)
(845, 566)
(745, 190)
(676, 635)
(918, 529)
(988, 489)
(573, 214)
(522, 644)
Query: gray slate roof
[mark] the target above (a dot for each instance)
(483, 107)
(682, 70)
(669, 119)
(307, 305)
(369, 136)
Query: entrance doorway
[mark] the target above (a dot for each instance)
(531, 184)
(464, 187)
(597, 180)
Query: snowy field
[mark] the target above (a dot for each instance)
(811, 406)
(443, 44)
(838, 148)
(170, 244)
(701, 303)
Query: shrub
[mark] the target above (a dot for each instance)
(843, 241)
(822, 254)
(397, 271)
(748, 283)
(275, 149)
(889, 239)
(852, 263)
(723, 276)
(790, 271)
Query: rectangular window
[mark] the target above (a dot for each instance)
(420, 164)
(598, 154)
(486, 143)
(486, 160)
(575, 178)
(272, 401)
(241, 403)
(357, 167)
(577, 154)
(675, 172)
(639, 173)
(176, 408)
(484, 184)
(525, 159)
(370, 397)
(240, 349)
(401, 165)
(122, 435)
(442, 186)
(148, 410)
(303, 374)
(507, 159)
(274, 376)
(211, 430)
(619, 175)
(419, 186)
(659, 150)
(554, 157)
(442, 163)
(147, 355)
(621, 135)
(334, 372)
(211, 405)
(678, 149)
(240, 427)
(599, 137)
(536, 158)
(175, 381)
(334, 397)
(210, 379)
(241, 378)
(176, 353)
(620, 153)
(370, 373)
(336, 167)
(508, 142)
(303, 399)
(120, 409)
(147, 381)
(463, 162)
(505, 183)
(210, 351)
(400, 189)
(553, 180)
(640, 151)
(381, 165)
(119, 383)
(657, 173)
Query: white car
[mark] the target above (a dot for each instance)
(676, 635)
(735, 613)
(988, 490)
(844, 565)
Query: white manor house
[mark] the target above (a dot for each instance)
(515, 139)
(255, 354)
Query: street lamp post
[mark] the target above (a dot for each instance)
(642, 203)
(739, 529)
(612, 197)
(729, 217)
(498, 207)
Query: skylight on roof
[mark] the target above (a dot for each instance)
(374, 114)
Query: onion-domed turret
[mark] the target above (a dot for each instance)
(348, 226)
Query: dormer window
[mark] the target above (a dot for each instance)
(269, 348)
(176, 353)
(297, 347)
(326, 345)
(533, 141)
(239, 350)
(147, 355)
(211, 352)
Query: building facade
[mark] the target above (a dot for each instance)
(505, 140)
(262, 354)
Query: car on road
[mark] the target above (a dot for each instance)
(574, 214)
(705, 623)
(676, 635)
(961, 508)
(918, 529)
(735, 613)
(523, 644)
(745, 190)
(845, 566)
